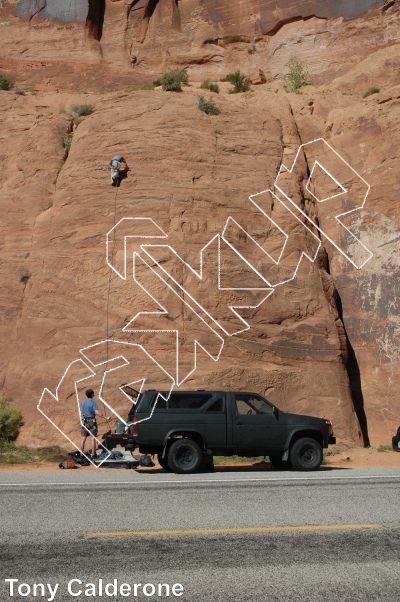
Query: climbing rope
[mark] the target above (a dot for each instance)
(109, 284)
(111, 263)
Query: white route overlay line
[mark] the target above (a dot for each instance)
(283, 168)
(199, 274)
(276, 262)
(163, 311)
(344, 190)
(80, 361)
(156, 232)
(126, 363)
(134, 382)
(56, 398)
(149, 222)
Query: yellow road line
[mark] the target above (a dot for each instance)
(234, 530)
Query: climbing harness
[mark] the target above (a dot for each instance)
(89, 423)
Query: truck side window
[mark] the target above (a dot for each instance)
(217, 406)
(188, 401)
(251, 405)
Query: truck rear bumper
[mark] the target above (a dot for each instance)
(331, 440)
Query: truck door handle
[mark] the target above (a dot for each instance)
(239, 424)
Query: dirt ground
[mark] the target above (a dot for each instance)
(356, 457)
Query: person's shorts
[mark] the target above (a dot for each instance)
(91, 428)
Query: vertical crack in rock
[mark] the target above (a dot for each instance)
(133, 4)
(332, 294)
(95, 18)
(176, 16)
(353, 370)
(148, 13)
(30, 8)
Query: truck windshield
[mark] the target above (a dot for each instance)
(252, 404)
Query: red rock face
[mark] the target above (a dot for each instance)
(325, 343)
(73, 10)
(270, 15)
(210, 37)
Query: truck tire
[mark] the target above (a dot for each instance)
(163, 462)
(306, 454)
(184, 456)
(130, 444)
(278, 463)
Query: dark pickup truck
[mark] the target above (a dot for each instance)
(186, 428)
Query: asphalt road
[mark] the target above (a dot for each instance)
(332, 535)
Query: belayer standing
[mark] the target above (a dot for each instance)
(118, 168)
(90, 411)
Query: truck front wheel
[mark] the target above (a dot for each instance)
(306, 454)
(184, 456)
(278, 463)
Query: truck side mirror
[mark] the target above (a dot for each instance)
(275, 412)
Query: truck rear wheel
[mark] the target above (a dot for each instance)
(184, 456)
(306, 454)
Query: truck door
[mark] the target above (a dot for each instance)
(255, 426)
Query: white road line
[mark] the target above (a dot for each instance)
(191, 482)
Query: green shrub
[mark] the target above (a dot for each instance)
(15, 454)
(385, 448)
(370, 91)
(20, 454)
(24, 276)
(217, 131)
(297, 75)
(81, 110)
(214, 88)
(67, 143)
(333, 452)
(240, 82)
(173, 80)
(19, 92)
(208, 106)
(10, 421)
(6, 83)
(208, 85)
(53, 453)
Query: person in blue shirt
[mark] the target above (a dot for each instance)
(90, 412)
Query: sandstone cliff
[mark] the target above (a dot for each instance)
(324, 343)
